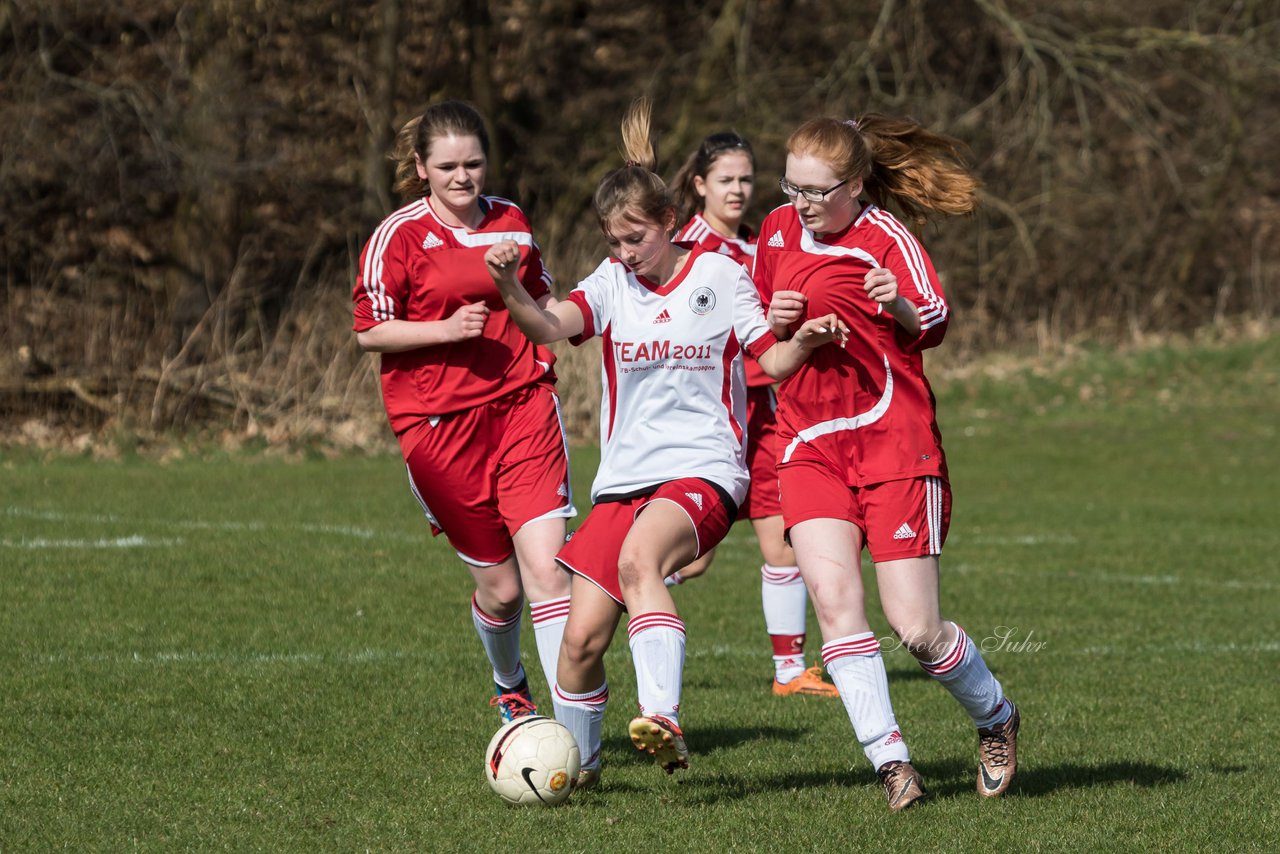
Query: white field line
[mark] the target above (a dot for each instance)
(1194, 648)
(363, 656)
(134, 542)
(205, 525)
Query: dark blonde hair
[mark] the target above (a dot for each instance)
(698, 164)
(448, 118)
(635, 191)
(897, 159)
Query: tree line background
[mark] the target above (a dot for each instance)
(185, 187)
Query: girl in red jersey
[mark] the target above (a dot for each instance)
(712, 191)
(674, 323)
(470, 399)
(860, 454)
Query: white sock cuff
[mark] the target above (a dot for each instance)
(780, 574)
(865, 643)
(549, 611)
(492, 624)
(597, 697)
(952, 659)
(653, 620)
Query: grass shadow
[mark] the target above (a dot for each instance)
(951, 778)
(710, 739)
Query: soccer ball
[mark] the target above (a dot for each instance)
(532, 760)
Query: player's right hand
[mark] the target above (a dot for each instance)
(468, 321)
(786, 308)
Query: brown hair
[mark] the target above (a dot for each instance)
(635, 190)
(448, 118)
(897, 159)
(698, 164)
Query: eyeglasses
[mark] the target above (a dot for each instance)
(791, 190)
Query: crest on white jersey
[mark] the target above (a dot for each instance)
(702, 301)
(431, 241)
(695, 497)
(776, 240)
(663, 317)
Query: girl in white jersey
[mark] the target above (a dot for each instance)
(861, 458)
(712, 191)
(674, 323)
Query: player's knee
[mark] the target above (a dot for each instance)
(582, 649)
(633, 570)
(545, 580)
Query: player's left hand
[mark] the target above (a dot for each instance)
(502, 260)
(881, 285)
(822, 330)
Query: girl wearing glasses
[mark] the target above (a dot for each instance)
(674, 323)
(470, 399)
(860, 460)
(712, 191)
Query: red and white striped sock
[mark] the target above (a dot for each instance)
(785, 601)
(583, 715)
(548, 619)
(501, 641)
(657, 651)
(964, 673)
(857, 668)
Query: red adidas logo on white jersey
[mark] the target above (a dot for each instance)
(664, 317)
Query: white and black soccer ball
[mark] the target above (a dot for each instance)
(532, 760)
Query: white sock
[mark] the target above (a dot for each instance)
(657, 651)
(857, 668)
(785, 602)
(673, 579)
(964, 673)
(583, 715)
(548, 619)
(501, 641)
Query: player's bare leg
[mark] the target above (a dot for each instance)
(829, 552)
(909, 594)
(786, 607)
(582, 690)
(661, 538)
(546, 586)
(495, 613)
(692, 570)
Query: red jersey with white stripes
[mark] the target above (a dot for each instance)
(698, 232)
(674, 393)
(416, 268)
(865, 410)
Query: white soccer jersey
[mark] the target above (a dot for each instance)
(674, 401)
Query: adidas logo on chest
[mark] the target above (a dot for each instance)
(431, 241)
(776, 241)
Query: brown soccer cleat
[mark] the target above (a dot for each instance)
(809, 683)
(998, 756)
(902, 785)
(588, 778)
(661, 739)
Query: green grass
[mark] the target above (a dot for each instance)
(250, 654)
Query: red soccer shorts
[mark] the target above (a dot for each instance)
(898, 518)
(762, 455)
(593, 549)
(482, 474)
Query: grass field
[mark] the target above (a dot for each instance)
(250, 654)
